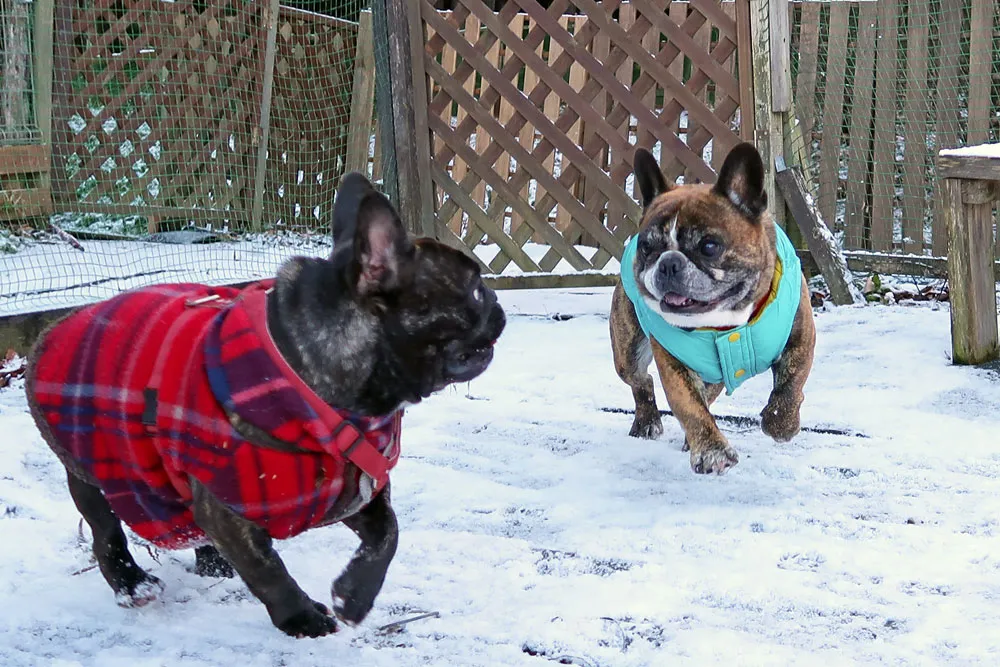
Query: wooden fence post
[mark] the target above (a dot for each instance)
(404, 38)
(768, 124)
(15, 19)
(969, 191)
(362, 98)
(271, 20)
(43, 85)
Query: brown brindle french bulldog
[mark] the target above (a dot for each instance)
(712, 291)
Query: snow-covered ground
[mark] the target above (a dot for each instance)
(543, 534)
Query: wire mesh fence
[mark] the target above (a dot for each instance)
(881, 86)
(194, 140)
(17, 124)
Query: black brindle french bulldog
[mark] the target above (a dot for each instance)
(386, 321)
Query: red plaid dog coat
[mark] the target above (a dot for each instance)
(138, 391)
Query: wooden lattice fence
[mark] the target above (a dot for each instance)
(163, 110)
(313, 82)
(535, 115)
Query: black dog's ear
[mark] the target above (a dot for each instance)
(353, 188)
(741, 181)
(381, 245)
(649, 176)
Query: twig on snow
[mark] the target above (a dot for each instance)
(84, 569)
(398, 625)
(66, 236)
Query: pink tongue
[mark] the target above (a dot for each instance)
(672, 299)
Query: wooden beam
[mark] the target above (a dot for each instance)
(781, 59)
(43, 31)
(969, 167)
(408, 105)
(823, 246)
(768, 137)
(552, 280)
(270, 19)
(30, 159)
(362, 98)
(971, 282)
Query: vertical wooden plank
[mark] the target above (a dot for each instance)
(860, 136)
(948, 108)
(972, 290)
(884, 138)
(769, 143)
(405, 37)
(270, 19)
(362, 98)
(781, 61)
(43, 84)
(833, 112)
(744, 55)
(980, 71)
(805, 80)
(915, 128)
(651, 43)
(15, 62)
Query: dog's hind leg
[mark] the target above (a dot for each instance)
(132, 585)
(633, 354)
(355, 589)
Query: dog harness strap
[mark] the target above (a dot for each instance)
(347, 438)
(356, 449)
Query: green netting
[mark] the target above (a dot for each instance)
(188, 143)
(880, 87)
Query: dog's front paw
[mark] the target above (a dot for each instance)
(138, 593)
(311, 622)
(350, 604)
(780, 420)
(716, 458)
(646, 426)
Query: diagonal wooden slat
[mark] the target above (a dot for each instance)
(507, 245)
(530, 215)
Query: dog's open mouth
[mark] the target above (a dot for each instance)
(672, 301)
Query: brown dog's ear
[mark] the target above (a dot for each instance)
(649, 176)
(381, 245)
(741, 181)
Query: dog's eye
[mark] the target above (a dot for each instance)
(642, 246)
(477, 295)
(710, 248)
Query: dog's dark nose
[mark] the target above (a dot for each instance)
(671, 264)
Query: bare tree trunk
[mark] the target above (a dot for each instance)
(14, 84)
